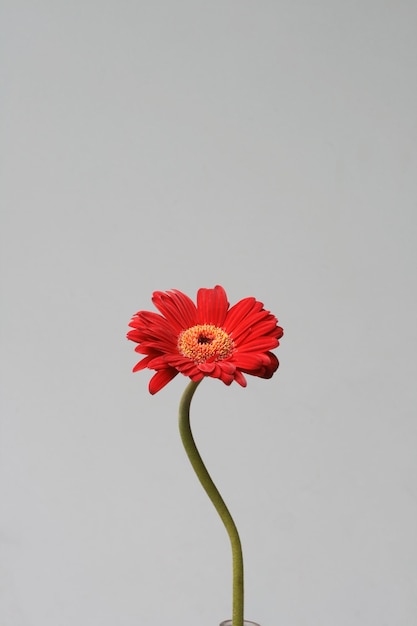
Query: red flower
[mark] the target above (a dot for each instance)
(209, 339)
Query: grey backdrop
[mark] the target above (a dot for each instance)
(266, 146)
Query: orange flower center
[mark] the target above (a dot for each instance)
(205, 342)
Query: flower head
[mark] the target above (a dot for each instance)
(207, 339)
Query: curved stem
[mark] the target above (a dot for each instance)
(218, 502)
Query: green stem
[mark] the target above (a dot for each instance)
(214, 495)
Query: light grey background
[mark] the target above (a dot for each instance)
(266, 146)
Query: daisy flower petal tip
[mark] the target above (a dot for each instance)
(208, 338)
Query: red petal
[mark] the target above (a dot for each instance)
(142, 364)
(237, 313)
(160, 346)
(182, 364)
(187, 308)
(227, 366)
(151, 329)
(265, 371)
(258, 344)
(141, 349)
(158, 362)
(207, 368)
(134, 335)
(239, 378)
(197, 377)
(226, 377)
(160, 379)
(272, 367)
(177, 308)
(188, 369)
(249, 323)
(212, 306)
(251, 361)
(255, 326)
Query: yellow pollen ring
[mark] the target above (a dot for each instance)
(205, 342)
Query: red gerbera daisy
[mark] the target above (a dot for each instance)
(209, 339)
